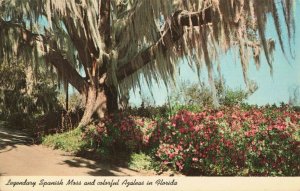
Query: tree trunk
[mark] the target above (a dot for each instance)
(100, 101)
(112, 99)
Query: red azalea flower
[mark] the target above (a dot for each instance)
(182, 130)
(220, 114)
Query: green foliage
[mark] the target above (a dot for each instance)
(196, 96)
(69, 141)
(140, 161)
(234, 97)
(149, 111)
(192, 94)
(23, 97)
(192, 97)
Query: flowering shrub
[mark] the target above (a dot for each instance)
(259, 141)
(123, 132)
(229, 141)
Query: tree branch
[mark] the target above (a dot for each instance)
(171, 35)
(65, 69)
(62, 65)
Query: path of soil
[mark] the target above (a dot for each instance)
(20, 157)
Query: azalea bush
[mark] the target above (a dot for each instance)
(228, 141)
(121, 132)
(232, 141)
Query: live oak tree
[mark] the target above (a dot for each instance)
(101, 47)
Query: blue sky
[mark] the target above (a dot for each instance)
(271, 89)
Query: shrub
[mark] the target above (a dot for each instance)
(198, 95)
(140, 161)
(229, 141)
(121, 132)
(261, 141)
(70, 141)
(234, 97)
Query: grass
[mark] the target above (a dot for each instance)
(69, 141)
(72, 142)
